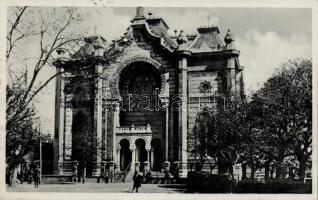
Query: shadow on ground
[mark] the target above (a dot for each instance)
(175, 187)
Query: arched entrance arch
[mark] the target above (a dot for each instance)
(141, 153)
(125, 154)
(138, 59)
(140, 85)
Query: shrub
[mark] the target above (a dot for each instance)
(204, 182)
(272, 186)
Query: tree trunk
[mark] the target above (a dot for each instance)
(252, 164)
(279, 167)
(302, 168)
(267, 162)
(252, 169)
(244, 171)
(231, 170)
(222, 165)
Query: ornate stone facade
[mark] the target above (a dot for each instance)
(134, 101)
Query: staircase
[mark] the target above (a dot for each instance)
(121, 177)
(129, 177)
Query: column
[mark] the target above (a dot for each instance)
(98, 118)
(68, 129)
(183, 114)
(58, 104)
(230, 77)
(114, 128)
(151, 158)
(133, 158)
(104, 153)
(118, 158)
(165, 102)
(66, 163)
(148, 154)
(172, 145)
(61, 124)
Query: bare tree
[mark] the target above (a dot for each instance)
(33, 36)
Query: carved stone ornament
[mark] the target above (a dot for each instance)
(205, 87)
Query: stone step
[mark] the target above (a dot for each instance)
(129, 177)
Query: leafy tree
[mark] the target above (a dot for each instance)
(286, 98)
(22, 135)
(273, 125)
(215, 138)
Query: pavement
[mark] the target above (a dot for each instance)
(98, 187)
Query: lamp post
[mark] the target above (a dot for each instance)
(40, 154)
(40, 137)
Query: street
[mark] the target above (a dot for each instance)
(98, 187)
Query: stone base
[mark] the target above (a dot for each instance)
(183, 171)
(96, 169)
(65, 167)
(57, 179)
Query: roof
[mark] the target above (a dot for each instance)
(207, 40)
(161, 32)
(91, 44)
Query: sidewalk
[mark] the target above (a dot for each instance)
(98, 187)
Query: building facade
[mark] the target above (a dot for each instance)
(134, 101)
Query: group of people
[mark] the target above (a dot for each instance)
(23, 173)
(107, 176)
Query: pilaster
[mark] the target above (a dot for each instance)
(65, 132)
(183, 113)
(98, 118)
(165, 103)
(61, 120)
(57, 121)
(230, 77)
(115, 124)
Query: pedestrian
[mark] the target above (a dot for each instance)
(148, 177)
(137, 181)
(29, 175)
(106, 176)
(110, 175)
(102, 174)
(167, 177)
(11, 172)
(36, 177)
(7, 174)
(83, 174)
(22, 174)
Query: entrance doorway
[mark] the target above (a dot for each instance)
(141, 153)
(82, 140)
(156, 155)
(125, 154)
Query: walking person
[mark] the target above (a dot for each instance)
(167, 177)
(137, 182)
(106, 176)
(29, 175)
(83, 174)
(111, 175)
(36, 177)
(11, 172)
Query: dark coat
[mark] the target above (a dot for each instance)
(137, 180)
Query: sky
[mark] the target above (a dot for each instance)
(266, 38)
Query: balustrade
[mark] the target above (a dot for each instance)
(138, 129)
